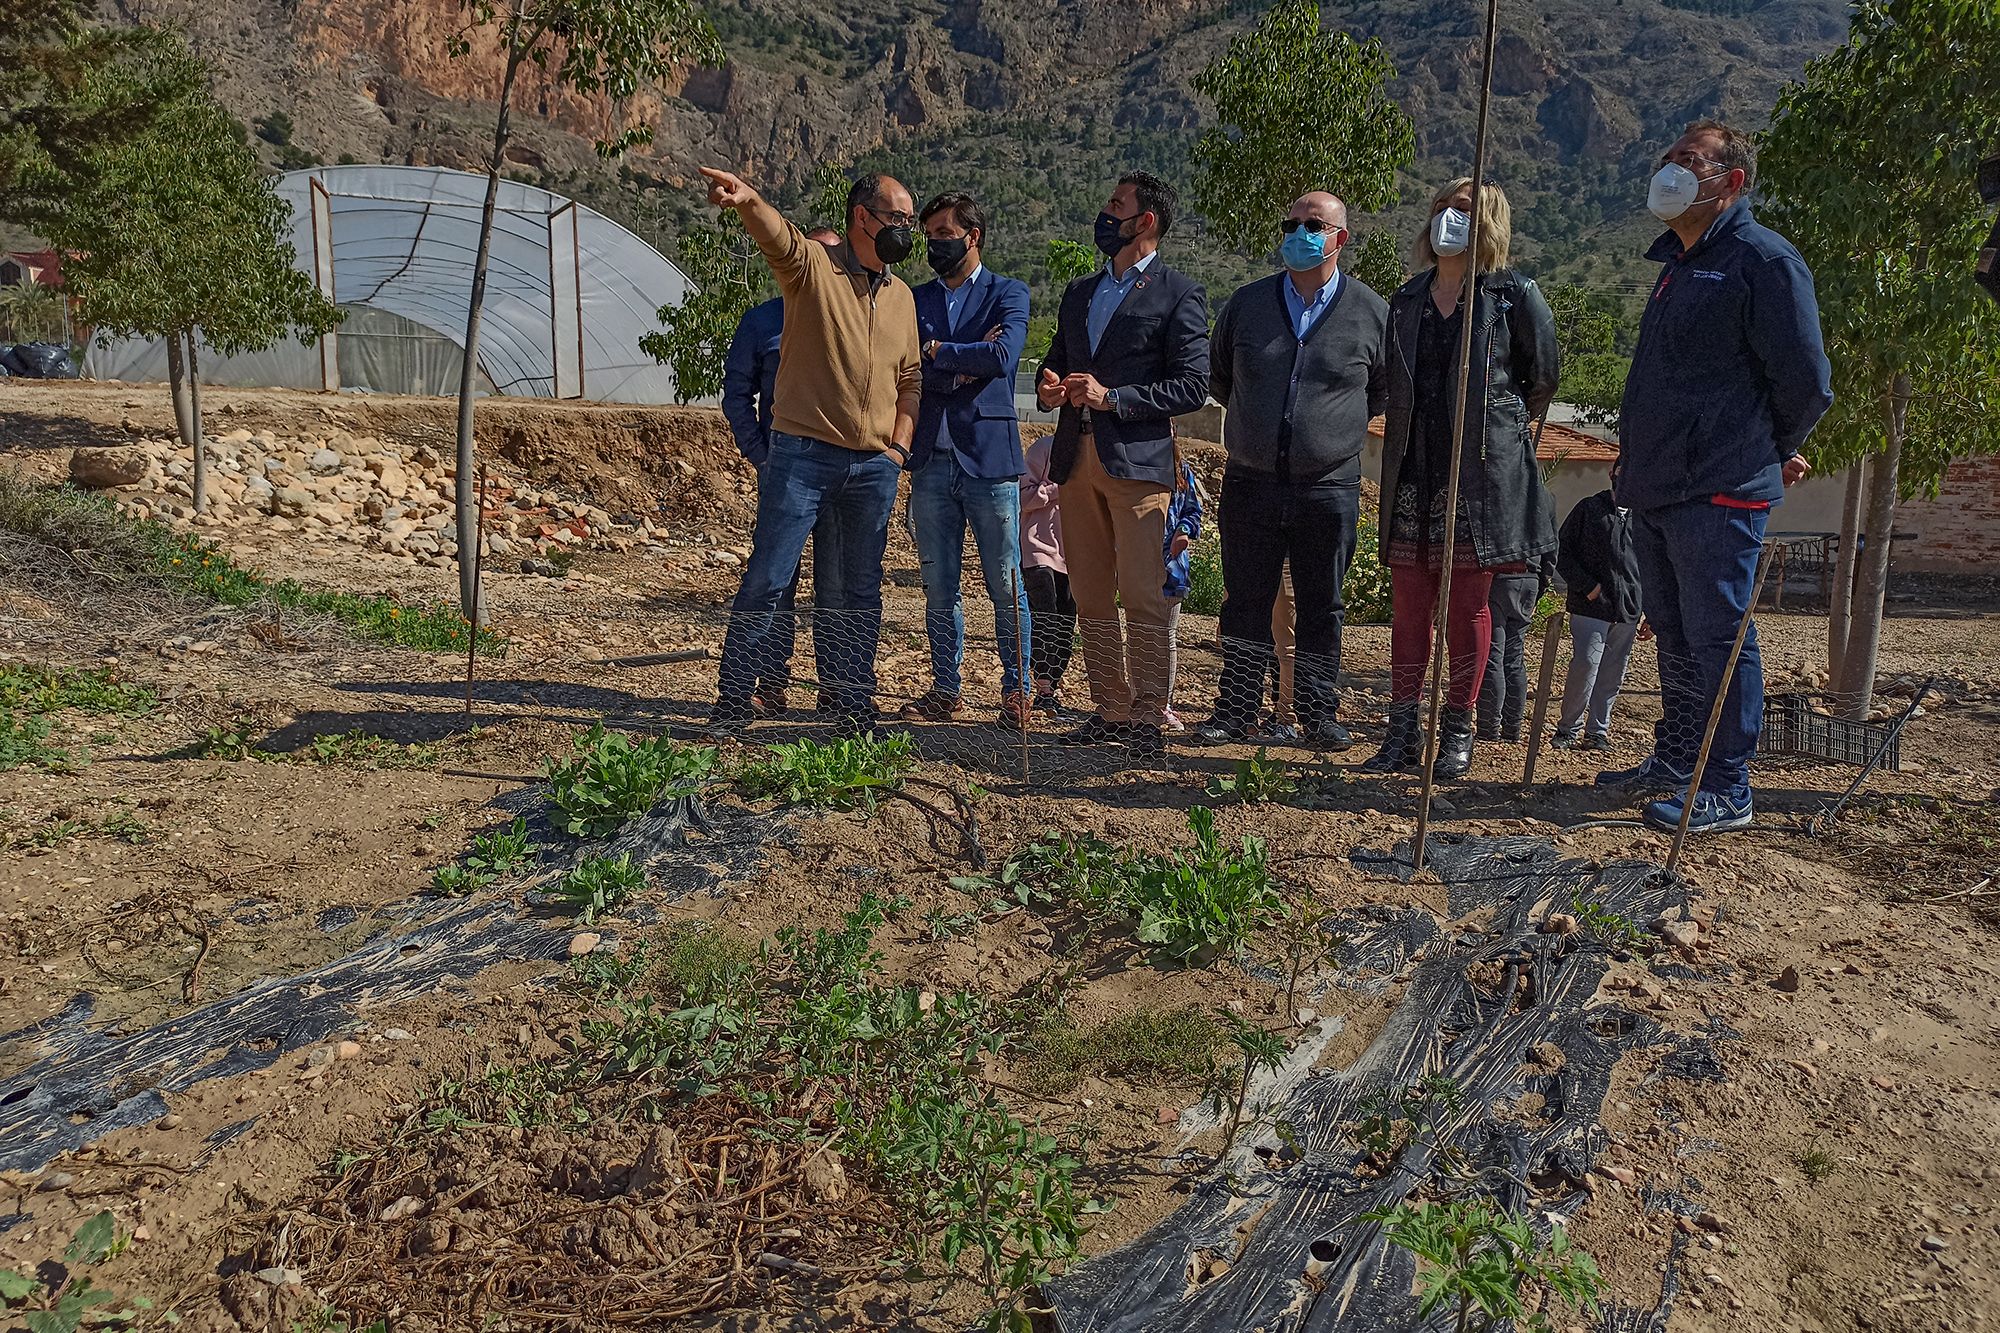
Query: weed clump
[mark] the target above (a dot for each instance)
(1474, 1260)
(601, 884)
(611, 779)
(491, 855)
(1148, 1046)
(41, 690)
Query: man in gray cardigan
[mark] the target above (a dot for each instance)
(1298, 362)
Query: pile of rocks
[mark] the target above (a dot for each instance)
(379, 494)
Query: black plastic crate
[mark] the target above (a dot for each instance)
(1793, 727)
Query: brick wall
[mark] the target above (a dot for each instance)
(1959, 532)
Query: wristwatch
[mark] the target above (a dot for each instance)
(929, 350)
(1111, 400)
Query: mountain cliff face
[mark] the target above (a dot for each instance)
(1034, 102)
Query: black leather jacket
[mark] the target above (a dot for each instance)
(1501, 494)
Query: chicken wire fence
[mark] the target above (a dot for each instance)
(1065, 700)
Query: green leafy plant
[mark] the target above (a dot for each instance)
(24, 744)
(1204, 594)
(1302, 941)
(611, 779)
(1818, 1164)
(601, 974)
(360, 749)
(43, 689)
(1256, 780)
(1483, 1265)
(1391, 1122)
(601, 884)
(1229, 1088)
(500, 850)
(838, 775)
(1211, 900)
(456, 880)
(1599, 923)
(77, 1300)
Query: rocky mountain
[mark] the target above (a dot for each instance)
(1034, 104)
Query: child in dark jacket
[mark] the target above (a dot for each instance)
(1183, 530)
(1601, 570)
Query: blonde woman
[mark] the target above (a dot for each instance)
(1505, 521)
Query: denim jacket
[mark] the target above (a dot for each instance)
(1183, 517)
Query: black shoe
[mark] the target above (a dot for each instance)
(1219, 730)
(1094, 731)
(1454, 756)
(1329, 735)
(1598, 741)
(726, 719)
(1400, 748)
(1145, 742)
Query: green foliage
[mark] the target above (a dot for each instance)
(178, 231)
(600, 974)
(1210, 901)
(705, 964)
(1296, 109)
(1818, 1164)
(1069, 260)
(1257, 780)
(601, 884)
(610, 780)
(1869, 169)
(115, 550)
(76, 1301)
(1391, 1122)
(1303, 942)
(31, 312)
(1593, 373)
(1204, 594)
(1366, 588)
(491, 855)
(356, 748)
(838, 775)
(1597, 922)
(1376, 260)
(24, 744)
(44, 689)
(1474, 1259)
(725, 278)
(1147, 1045)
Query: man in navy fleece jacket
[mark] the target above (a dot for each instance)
(1729, 377)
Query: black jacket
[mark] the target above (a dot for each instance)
(1500, 487)
(1596, 552)
(1154, 352)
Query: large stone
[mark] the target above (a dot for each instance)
(395, 482)
(326, 460)
(120, 465)
(294, 501)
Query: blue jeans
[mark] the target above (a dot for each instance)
(1697, 566)
(842, 498)
(944, 500)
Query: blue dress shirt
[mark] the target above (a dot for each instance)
(954, 307)
(1302, 314)
(1109, 295)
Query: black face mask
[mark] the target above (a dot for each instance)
(946, 253)
(894, 244)
(1111, 236)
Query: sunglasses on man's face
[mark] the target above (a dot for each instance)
(1313, 225)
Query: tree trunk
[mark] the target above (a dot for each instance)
(1840, 579)
(463, 489)
(177, 383)
(195, 432)
(1871, 585)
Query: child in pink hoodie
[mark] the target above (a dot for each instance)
(1046, 577)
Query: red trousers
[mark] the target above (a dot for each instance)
(1413, 591)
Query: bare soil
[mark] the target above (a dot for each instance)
(1845, 1156)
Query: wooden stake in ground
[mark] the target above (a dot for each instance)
(1468, 309)
(1715, 710)
(1551, 635)
(478, 615)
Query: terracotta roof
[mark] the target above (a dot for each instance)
(1558, 444)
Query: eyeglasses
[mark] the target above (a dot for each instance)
(1669, 157)
(1313, 225)
(890, 219)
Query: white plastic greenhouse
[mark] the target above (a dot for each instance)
(569, 292)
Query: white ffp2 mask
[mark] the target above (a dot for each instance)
(1451, 232)
(1673, 191)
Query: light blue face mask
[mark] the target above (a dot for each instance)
(1303, 250)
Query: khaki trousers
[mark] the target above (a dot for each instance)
(1114, 542)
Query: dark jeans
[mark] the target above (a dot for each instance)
(777, 673)
(944, 502)
(1264, 523)
(842, 498)
(1055, 624)
(1503, 691)
(1697, 566)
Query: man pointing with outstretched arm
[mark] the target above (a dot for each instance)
(845, 410)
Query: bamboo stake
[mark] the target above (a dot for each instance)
(1551, 635)
(1468, 312)
(1021, 671)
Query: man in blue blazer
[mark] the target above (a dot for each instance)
(966, 459)
(1130, 354)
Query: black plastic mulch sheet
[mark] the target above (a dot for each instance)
(87, 1081)
(1477, 1007)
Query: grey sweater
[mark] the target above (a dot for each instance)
(1342, 372)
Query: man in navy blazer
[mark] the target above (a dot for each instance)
(965, 460)
(1130, 354)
